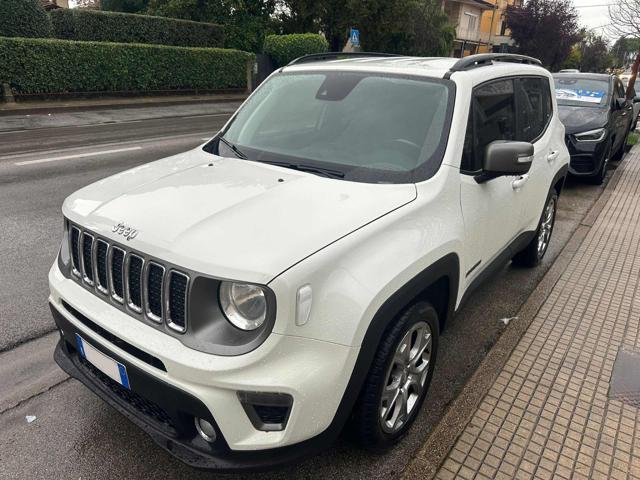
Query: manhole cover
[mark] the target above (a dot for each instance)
(625, 381)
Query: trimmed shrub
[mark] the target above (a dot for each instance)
(23, 18)
(93, 25)
(53, 66)
(284, 48)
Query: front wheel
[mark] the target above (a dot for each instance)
(598, 178)
(533, 253)
(399, 378)
(619, 155)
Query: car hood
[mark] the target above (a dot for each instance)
(582, 119)
(230, 218)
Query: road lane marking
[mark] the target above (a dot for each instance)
(77, 155)
(144, 140)
(117, 122)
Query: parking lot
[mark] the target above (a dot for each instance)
(74, 434)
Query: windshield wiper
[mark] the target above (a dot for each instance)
(325, 172)
(233, 148)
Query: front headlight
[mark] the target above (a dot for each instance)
(596, 135)
(244, 305)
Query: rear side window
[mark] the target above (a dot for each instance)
(620, 92)
(492, 117)
(534, 100)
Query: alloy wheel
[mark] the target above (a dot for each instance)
(544, 233)
(406, 378)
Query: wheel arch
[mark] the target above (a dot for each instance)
(437, 284)
(558, 180)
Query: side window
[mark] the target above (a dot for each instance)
(534, 100)
(619, 91)
(548, 102)
(492, 118)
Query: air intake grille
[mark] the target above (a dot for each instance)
(117, 270)
(134, 282)
(75, 251)
(177, 306)
(155, 280)
(87, 258)
(140, 287)
(102, 248)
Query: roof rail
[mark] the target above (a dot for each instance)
(484, 59)
(315, 57)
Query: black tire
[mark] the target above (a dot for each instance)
(598, 178)
(532, 255)
(366, 424)
(619, 155)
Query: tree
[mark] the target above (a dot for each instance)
(246, 22)
(595, 54)
(411, 27)
(574, 59)
(23, 18)
(625, 22)
(545, 29)
(623, 51)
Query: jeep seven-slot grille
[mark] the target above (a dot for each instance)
(140, 286)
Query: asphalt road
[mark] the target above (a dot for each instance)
(75, 435)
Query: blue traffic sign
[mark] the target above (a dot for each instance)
(355, 37)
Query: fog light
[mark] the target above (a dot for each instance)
(205, 429)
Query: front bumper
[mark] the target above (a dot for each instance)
(586, 157)
(171, 384)
(175, 432)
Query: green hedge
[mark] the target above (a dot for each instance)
(23, 18)
(284, 48)
(93, 25)
(52, 66)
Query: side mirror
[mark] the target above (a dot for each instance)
(504, 158)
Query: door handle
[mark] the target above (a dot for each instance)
(520, 181)
(553, 156)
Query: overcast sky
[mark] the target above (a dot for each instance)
(594, 14)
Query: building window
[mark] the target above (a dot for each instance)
(472, 21)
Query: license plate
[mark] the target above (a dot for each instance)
(107, 365)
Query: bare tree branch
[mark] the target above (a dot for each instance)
(625, 22)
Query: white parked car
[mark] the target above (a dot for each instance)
(242, 301)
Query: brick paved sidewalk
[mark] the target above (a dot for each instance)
(548, 414)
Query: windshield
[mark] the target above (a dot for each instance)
(365, 126)
(585, 92)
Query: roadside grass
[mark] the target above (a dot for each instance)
(633, 139)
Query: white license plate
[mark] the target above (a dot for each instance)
(107, 365)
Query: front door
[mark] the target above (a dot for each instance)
(491, 210)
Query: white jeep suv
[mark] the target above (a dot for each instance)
(242, 301)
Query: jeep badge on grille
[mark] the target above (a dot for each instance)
(127, 232)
